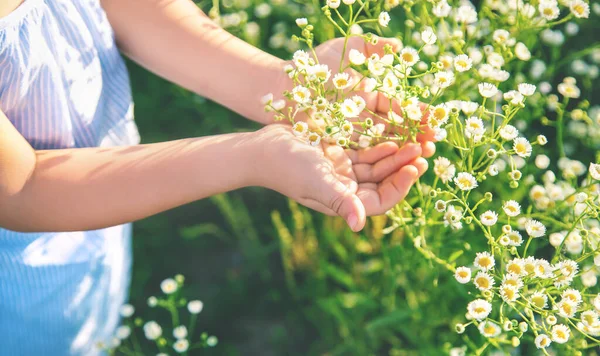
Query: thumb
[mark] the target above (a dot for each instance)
(339, 198)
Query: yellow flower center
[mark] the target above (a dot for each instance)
(483, 282)
(538, 301)
(408, 57)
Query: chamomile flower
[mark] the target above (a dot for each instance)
(487, 90)
(568, 89)
(301, 95)
(342, 81)
(580, 9)
(509, 293)
(462, 63)
(509, 132)
(542, 341)
(572, 295)
(409, 56)
(413, 112)
(356, 57)
(483, 281)
(549, 10)
(522, 52)
(428, 37)
(511, 208)
(465, 181)
(463, 275)
(474, 128)
(443, 79)
(484, 261)
(152, 330)
(123, 332)
(440, 206)
(489, 329)
(444, 169)
(349, 109)
(384, 19)
(334, 4)
(535, 228)
(500, 36)
(300, 128)
(526, 89)
(313, 139)
(594, 170)
(479, 309)
(489, 218)
(319, 73)
(301, 59)
(168, 286)
(522, 147)
(301, 22)
(181, 346)
(180, 332)
(539, 300)
(560, 333)
(566, 308)
(126, 310)
(195, 306)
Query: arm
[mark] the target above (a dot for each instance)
(82, 189)
(176, 40)
(90, 188)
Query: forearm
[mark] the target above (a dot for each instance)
(176, 40)
(90, 188)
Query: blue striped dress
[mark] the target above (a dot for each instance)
(63, 84)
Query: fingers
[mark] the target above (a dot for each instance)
(389, 192)
(420, 164)
(373, 154)
(341, 199)
(428, 149)
(378, 171)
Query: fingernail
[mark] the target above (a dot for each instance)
(352, 221)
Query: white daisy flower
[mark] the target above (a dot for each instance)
(566, 308)
(168, 286)
(438, 115)
(474, 128)
(548, 10)
(180, 332)
(535, 228)
(413, 112)
(349, 108)
(509, 132)
(511, 208)
(539, 299)
(479, 309)
(195, 306)
(152, 330)
(440, 206)
(572, 295)
(319, 73)
(542, 341)
(513, 97)
(342, 81)
(522, 52)
(484, 261)
(428, 36)
(466, 14)
(489, 218)
(462, 63)
(441, 9)
(300, 128)
(301, 94)
(314, 139)
(526, 89)
(409, 56)
(580, 9)
(569, 90)
(589, 318)
(509, 293)
(489, 329)
(522, 147)
(443, 79)
(181, 346)
(543, 269)
(595, 170)
(483, 281)
(383, 19)
(356, 57)
(500, 36)
(334, 4)
(560, 333)
(301, 59)
(463, 275)
(444, 169)
(465, 181)
(487, 90)
(301, 22)
(515, 266)
(514, 238)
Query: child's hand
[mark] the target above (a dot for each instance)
(330, 53)
(350, 183)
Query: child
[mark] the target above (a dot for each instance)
(69, 161)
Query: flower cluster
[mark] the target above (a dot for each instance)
(475, 80)
(125, 341)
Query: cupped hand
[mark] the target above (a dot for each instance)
(330, 53)
(336, 181)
